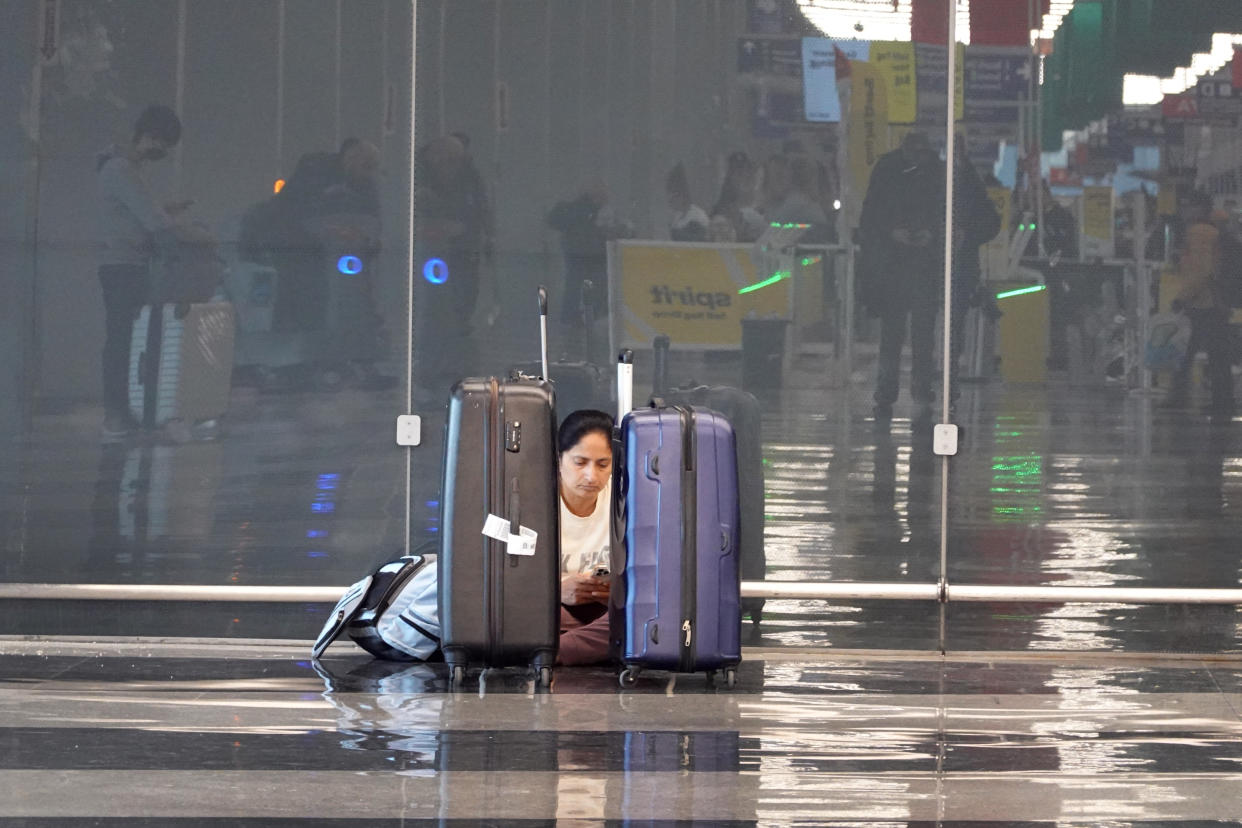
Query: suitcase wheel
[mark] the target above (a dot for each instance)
(458, 675)
(730, 678)
(545, 677)
(629, 677)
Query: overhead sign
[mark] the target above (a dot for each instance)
(1217, 98)
(932, 69)
(990, 113)
(820, 73)
(770, 56)
(691, 292)
(1180, 107)
(819, 80)
(1214, 89)
(997, 73)
(766, 16)
(773, 108)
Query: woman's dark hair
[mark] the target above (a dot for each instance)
(160, 122)
(581, 423)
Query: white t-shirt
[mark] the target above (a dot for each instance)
(693, 215)
(585, 541)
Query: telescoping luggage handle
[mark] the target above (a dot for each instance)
(625, 384)
(659, 376)
(543, 329)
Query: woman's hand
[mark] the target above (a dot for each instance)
(578, 589)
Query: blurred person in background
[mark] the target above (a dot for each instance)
(901, 231)
(134, 229)
(689, 222)
(453, 217)
(1199, 266)
(775, 186)
(801, 201)
(735, 206)
(473, 180)
(451, 238)
(586, 224)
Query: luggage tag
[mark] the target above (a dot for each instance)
(522, 543)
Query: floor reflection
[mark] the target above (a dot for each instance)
(806, 738)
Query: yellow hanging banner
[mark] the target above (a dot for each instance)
(995, 254)
(1001, 198)
(894, 62)
(1096, 239)
(867, 130)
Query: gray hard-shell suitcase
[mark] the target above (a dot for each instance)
(499, 605)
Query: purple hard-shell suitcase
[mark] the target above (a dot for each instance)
(497, 607)
(681, 583)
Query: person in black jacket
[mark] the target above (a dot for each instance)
(584, 223)
(901, 266)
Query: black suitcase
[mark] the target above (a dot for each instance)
(742, 410)
(499, 603)
(579, 383)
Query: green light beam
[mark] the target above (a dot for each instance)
(1021, 291)
(771, 280)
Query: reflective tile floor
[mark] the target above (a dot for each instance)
(250, 733)
(1055, 484)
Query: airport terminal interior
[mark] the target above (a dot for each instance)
(980, 375)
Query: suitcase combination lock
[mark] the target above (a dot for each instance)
(513, 436)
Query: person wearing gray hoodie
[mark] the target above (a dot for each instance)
(133, 226)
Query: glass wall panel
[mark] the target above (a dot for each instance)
(1094, 452)
(664, 153)
(237, 171)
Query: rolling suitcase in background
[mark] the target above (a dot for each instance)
(743, 412)
(499, 575)
(579, 383)
(681, 587)
(181, 363)
(263, 354)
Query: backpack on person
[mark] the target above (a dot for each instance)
(1229, 278)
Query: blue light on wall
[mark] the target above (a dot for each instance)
(349, 265)
(436, 271)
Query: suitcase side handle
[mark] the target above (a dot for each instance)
(515, 515)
